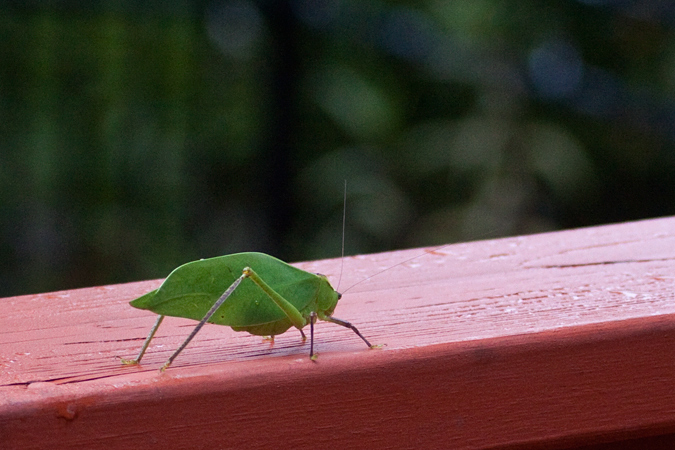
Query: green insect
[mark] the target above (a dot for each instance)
(251, 292)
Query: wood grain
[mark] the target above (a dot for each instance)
(556, 340)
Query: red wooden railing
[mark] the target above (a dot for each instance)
(558, 340)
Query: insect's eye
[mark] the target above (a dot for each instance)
(339, 296)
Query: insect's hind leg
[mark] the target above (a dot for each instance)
(344, 323)
(146, 343)
(208, 315)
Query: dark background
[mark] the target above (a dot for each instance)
(136, 136)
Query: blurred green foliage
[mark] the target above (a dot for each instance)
(136, 138)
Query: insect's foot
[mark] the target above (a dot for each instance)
(164, 367)
(314, 356)
(129, 362)
(377, 346)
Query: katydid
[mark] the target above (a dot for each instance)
(251, 292)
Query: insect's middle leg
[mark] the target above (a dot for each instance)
(312, 319)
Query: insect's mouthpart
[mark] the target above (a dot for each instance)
(339, 296)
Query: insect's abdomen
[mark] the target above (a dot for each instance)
(267, 329)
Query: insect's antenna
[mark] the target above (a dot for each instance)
(344, 220)
(426, 252)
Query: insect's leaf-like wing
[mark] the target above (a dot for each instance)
(144, 300)
(191, 289)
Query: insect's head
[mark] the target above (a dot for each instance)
(326, 296)
(339, 296)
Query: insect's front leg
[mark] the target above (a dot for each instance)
(344, 323)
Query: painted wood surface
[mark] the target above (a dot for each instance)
(555, 340)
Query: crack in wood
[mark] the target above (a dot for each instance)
(597, 263)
